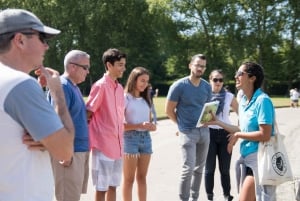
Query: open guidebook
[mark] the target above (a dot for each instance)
(205, 114)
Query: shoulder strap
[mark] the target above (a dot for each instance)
(276, 130)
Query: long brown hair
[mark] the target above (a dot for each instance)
(131, 83)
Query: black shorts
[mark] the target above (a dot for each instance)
(249, 171)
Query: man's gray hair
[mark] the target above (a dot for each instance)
(74, 56)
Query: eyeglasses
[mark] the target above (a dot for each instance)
(85, 67)
(199, 66)
(217, 79)
(42, 36)
(240, 73)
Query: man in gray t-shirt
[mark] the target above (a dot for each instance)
(185, 100)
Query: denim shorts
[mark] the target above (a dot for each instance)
(137, 142)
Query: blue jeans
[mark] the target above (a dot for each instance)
(217, 149)
(194, 145)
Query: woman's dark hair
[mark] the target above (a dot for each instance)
(131, 83)
(216, 71)
(254, 69)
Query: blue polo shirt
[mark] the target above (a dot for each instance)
(77, 109)
(260, 110)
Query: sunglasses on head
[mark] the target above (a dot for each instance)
(217, 79)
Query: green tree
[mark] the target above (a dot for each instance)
(162, 35)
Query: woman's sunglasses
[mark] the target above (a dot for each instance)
(217, 79)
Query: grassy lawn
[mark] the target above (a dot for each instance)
(159, 103)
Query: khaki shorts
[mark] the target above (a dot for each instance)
(71, 181)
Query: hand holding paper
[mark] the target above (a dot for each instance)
(209, 109)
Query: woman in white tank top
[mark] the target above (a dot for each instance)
(218, 137)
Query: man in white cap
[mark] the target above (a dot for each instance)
(25, 170)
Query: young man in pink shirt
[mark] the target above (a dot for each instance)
(105, 106)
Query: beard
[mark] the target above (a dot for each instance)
(198, 75)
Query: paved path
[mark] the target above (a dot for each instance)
(164, 171)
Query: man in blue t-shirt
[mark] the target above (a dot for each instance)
(185, 100)
(71, 177)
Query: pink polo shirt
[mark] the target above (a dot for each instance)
(106, 101)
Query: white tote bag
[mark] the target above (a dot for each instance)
(273, 164)
(298, 192)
